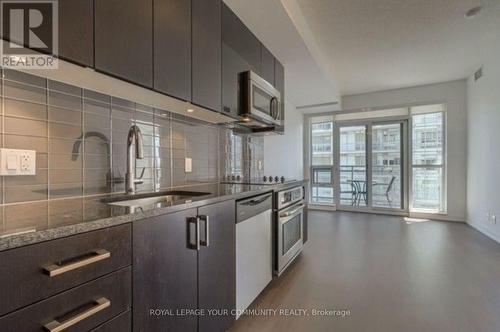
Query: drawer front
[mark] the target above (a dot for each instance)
(80, 309)
(121, 323)
(36, 272)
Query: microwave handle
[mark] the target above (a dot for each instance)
(275, 108)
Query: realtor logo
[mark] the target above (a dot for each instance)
(29, 31)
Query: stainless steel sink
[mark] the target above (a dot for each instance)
(152, 198)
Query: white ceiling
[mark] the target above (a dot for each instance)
(373, 45)
(306, 81)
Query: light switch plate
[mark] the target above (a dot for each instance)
(17, 162)
(189, 165)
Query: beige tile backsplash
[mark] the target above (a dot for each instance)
(80, 139)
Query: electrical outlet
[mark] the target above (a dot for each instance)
(493, 219)
(17, 162)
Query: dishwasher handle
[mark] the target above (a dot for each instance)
(257, 201)
(247, 208)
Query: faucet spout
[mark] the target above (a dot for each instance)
(134, 140)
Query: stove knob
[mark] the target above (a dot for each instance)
(270, 179)
(264, 178)
(233, 177)
(282, 179)
(276, 179)
(238, 177)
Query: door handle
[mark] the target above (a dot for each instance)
(56, 326)
(196, 222)
(206, 220)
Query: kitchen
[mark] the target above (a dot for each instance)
(134, 185)
(232, 165)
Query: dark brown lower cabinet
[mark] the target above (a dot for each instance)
(216, 267)
(165, 274)
(184, 279)
(83, 308)
(121, 323)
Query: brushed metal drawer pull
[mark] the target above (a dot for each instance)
(56, 326)
(54, 270)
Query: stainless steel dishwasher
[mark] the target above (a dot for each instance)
(254, 264)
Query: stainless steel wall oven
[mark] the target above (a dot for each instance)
(289, 227)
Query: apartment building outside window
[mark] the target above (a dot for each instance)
(428, 164)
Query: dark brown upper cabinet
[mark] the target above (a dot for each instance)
(237, 36)
(235, 59)
(124, 39)
(206, 53)
(76, 31)
(267, 65)
(172, 48)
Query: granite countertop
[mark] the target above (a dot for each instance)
(101, 215)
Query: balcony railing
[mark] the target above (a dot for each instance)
(353, 191)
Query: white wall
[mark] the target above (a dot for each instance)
(454, 94)
(483, 146)
(283, 153)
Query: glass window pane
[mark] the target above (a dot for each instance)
(322, 160)
(427, 139)
(353, 166)
(428, 149)
(428, 189)
(386, 165)
(322, 143)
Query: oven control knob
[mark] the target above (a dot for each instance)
(233, 177)
(270, 179)
(238, 178)
(282, 179)
(276, 179)
(264, 178)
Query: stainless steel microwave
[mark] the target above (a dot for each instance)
(260, 101)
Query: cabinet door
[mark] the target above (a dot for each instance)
(172, 47)
(237, 36)
(206, 48)
(164, 273)
(232, 65)
(76, 31)
(124, 39)
(267, 65)
(217, 265)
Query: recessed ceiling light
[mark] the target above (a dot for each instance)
(473, 12)
(190, 110)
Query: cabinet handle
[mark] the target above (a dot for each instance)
(196, 222)
(54, 269)
(206, 242)
(56, 326)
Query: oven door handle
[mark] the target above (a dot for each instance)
(293, 213)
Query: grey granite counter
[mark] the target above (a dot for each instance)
(102, 215)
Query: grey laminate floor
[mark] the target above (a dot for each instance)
(392, 276)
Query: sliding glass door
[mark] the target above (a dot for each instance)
(371, 166)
